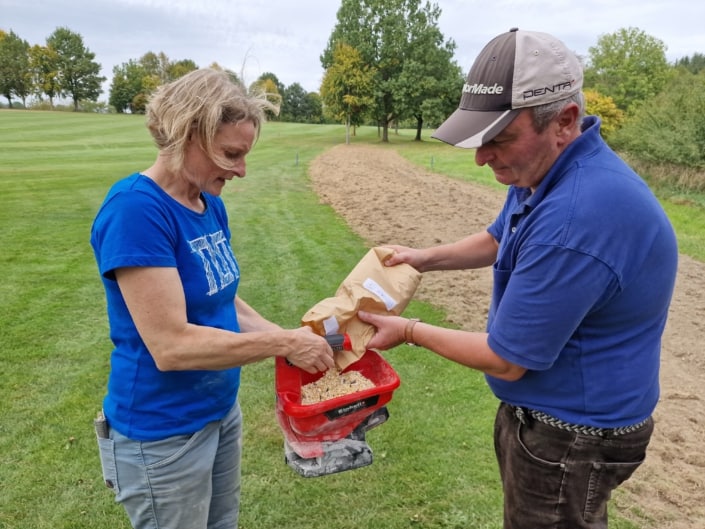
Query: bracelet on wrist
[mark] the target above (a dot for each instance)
(409, 331)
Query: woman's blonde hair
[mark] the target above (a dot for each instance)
(199, 103)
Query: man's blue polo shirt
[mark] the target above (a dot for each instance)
(582, 284)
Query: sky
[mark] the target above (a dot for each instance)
(287, 37)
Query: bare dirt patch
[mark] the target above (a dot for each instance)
(387, 200)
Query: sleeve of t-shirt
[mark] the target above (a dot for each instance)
(132, 229)
(547, 295)
(496, 229)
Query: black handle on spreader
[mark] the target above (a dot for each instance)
(336, 341)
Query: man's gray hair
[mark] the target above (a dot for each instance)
(544, 114)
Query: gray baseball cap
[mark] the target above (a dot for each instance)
(515, 70)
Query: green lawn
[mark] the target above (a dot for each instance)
(434, 463)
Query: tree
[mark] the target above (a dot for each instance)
(347, 86)
(294, 104)
(78, 73)
(44, 67)
(134, 81)
(269, 85)
(694, 64)
(629, 66)
(314, 108)
(126, 86)
(604, 107)
(430, 82)
(163, 70)
(669, 128)
(387, 34)
(14, 67)
(271, 80)
(156, 65)
(180, 68)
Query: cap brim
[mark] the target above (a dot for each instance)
(471, 129)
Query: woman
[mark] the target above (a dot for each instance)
(161, 239)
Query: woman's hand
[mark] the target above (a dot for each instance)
(390, 330)
(404, 254)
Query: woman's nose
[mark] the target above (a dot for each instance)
(239, 169)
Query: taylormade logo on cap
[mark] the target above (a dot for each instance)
(482, 89)
(515, 70)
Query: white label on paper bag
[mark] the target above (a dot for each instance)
(372, 285)
(331, 325)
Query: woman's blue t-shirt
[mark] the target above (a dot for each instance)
(141, 225)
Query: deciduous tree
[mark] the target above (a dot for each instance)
(134, 81)
(694, 64)
(78, 72)
(627, 65)
(269, 85)
(347, 88)
(430, 82)
(127, 85)
(388, 34)
(298, 106)
(669, 128)
(604, 107)
(14, 67)
(44, 68)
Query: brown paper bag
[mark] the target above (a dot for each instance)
(371, 286)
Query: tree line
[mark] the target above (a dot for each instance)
(387, 64)
(64, 67)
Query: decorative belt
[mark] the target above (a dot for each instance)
(523, 415)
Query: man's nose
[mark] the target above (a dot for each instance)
(483, 154)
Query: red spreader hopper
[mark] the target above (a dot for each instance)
(329, 436)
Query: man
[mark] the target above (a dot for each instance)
(584, 262)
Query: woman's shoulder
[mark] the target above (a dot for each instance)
(135, 189)
(134, 183)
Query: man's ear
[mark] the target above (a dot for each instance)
(567, 121)
(568, 118)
